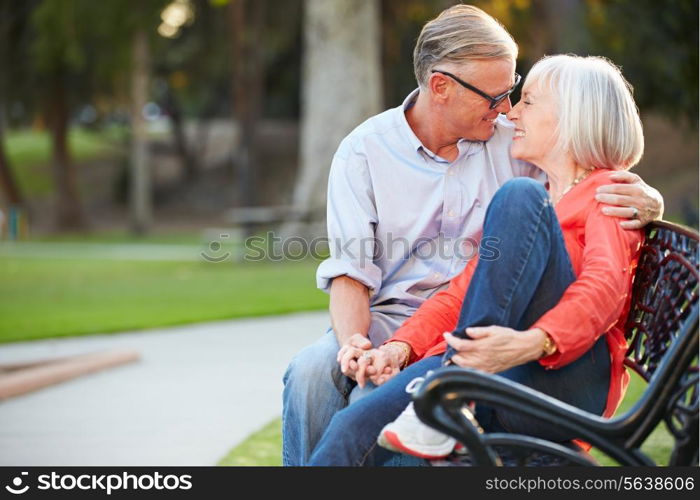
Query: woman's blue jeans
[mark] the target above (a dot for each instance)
(514, 288)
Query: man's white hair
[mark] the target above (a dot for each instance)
(460, 34)
(599, 123)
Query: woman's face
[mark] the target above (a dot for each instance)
(535, 119)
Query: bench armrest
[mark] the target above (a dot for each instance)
(441, 400)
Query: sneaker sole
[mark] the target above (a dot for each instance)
(391, 441)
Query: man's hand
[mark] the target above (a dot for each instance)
(633, 200)
(350, 353)
(494, 349)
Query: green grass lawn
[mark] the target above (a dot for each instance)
(265, 446)
(658, 445)
(42, 298)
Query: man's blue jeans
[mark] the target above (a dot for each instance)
(525, 280)
(315, 389)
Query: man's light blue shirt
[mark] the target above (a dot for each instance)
(404, 221)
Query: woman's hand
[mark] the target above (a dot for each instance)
(387, 362)
(494, 349)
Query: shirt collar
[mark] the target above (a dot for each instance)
(408, 131)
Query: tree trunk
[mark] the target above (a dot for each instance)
(140, 193)
(247, 90)
(559, 27)
(9, 186)
(184, 152)
(341, 88)
(568, 23)
(69, 214)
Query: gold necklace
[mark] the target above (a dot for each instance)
(574, 182)
(577, 180)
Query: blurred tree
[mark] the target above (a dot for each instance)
(56, 52)
(341, 88)
(176, 61)
(657, 46)
(9, 185)
(141, 22)
(84, 52)
(247, 18)
(402, 21)
(9, 13)
(141, 199)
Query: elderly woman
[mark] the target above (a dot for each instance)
(576, 121)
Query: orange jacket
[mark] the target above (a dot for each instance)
(604, 257)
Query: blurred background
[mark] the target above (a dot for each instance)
(160, 116)
(142, 142)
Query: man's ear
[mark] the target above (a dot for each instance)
(439, 86)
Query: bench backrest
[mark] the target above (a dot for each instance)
(662, 332)
(664, 293)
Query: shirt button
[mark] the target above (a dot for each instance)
(450, 173)
(437, 275)
(451, 213)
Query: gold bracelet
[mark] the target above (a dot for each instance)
(406, 350)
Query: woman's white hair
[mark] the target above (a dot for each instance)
(460, 34)
(599, 123)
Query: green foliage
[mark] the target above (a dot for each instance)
(657, 46)
(656, 43)
(88, 43)
(196, 65)
(42, 298)
(58, 35)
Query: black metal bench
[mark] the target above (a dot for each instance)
(662, 333)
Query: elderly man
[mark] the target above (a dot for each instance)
(407, 195)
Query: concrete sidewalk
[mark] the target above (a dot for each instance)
(197, 391)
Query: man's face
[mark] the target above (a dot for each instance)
(467, 114)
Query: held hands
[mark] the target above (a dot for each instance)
(350, 353)
(494, 349)
(386, 362)
(359, 361)
(632, 200)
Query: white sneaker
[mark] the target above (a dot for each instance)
(407, 434)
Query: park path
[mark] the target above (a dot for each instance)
(197, 391)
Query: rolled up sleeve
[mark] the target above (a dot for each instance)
(351, 218)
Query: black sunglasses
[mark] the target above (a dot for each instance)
(495, 101)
